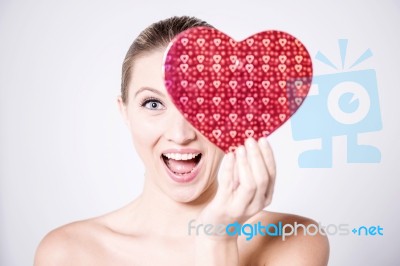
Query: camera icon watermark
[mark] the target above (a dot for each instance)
(346, 103)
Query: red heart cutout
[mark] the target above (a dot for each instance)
(232, 90)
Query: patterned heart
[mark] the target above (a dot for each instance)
(232, 90)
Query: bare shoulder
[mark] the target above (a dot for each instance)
(71, 244)
(285, 239)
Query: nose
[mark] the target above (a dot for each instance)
(179, 129)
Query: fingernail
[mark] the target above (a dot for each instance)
(230, 155)
(241, 151)
(263, 141)
(251, 142)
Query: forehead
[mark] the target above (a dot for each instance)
(147, 71)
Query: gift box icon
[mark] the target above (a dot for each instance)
(347, 104)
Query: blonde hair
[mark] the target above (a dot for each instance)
(155, 36)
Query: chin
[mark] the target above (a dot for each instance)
(184, 196)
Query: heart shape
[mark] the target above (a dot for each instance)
(231, 90)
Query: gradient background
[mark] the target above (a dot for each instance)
(66, 155)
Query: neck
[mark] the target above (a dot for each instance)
(162, 215)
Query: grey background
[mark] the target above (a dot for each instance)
(65, 154)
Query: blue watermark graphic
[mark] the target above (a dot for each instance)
(347, 104)
(281, 230)
(368, 230)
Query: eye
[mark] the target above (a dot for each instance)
(153, 104)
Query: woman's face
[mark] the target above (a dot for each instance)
(178, 159)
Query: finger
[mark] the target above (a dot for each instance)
(247, 187)
(258, 168)
(269, 159)
(225, 174)
(236, 181)
(268, 155)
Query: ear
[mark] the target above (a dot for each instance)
(123, 110)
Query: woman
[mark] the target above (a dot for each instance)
(185, 187)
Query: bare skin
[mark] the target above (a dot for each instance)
(93, 242)
(153, 229)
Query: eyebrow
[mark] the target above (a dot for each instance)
(149, 89)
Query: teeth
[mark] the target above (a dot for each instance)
(181, 156)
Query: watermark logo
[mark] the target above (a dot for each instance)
(280, 230)
(345, 103)
(368, 230)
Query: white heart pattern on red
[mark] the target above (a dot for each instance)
(230, 90)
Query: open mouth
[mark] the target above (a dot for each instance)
(181, 164)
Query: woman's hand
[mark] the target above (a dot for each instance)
(246, 184)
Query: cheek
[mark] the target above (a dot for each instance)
(145, 131)
(216, 152)
(218, 159)
(218, 156)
